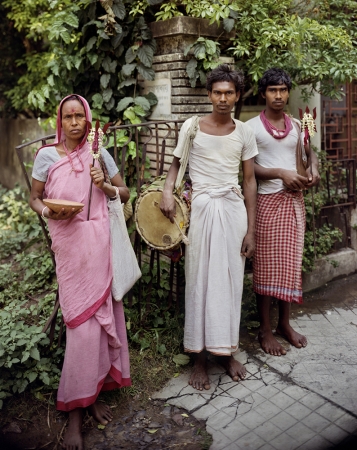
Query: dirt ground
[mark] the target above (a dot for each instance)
(139, 422)
(135, 426)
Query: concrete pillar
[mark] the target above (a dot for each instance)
(177, 99)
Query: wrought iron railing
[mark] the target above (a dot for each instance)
(155, 141)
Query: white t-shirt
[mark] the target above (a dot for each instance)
(49, 156)
(273, 153)
(214, 160)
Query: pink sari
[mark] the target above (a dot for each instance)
(96, 355)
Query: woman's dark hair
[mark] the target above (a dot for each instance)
(225, 73)
(71, 97)
(274, 77)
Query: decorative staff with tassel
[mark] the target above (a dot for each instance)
(95, 137)
(308, 126)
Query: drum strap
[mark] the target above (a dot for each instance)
(189, 137)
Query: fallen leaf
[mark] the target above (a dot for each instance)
(101, 427)
(152, 431)
(176, 374)
(184, 415)
(181, 360)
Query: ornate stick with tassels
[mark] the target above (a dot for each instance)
(308, 126)
(95, 137)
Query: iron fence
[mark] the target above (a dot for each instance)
(154, 144)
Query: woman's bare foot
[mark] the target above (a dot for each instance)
(73, 436)
(269, 344)
(100, 412)
(234, 368)
(199, 377)
(293, 337)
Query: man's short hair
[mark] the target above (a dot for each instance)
(274, 77)
(225, 73)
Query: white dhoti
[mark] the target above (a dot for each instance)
(214, 267)
(214, 271)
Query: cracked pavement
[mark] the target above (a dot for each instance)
(305, 400)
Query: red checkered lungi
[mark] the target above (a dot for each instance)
(280, 228)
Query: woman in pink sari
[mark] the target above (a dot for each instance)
(96, 357)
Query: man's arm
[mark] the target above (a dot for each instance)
(313, 167)
(168, 204)
(250, 195)
(290, 178)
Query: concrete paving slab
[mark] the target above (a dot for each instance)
(305, 400)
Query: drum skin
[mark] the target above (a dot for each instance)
(156, 229)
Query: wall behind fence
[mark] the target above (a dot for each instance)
(14, 132)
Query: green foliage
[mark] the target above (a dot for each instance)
(205, 58)
(154, 325)
(27, 294)
(99, 49)
(313, 41)
(325, 236)
(92, 48)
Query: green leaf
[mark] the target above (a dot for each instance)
(91, 42)
(145, 54)
(32, 376)
(152, 99)
(35, 354)
(119, 10)
(124, 103)
(25, 356)
(228, 24)
(127, 69)
(97, 101)
(129, 114)
(66, 37)
(93, 58)
(139, 111)
(181, 359)
(143, 102)
(130, 55)
(107, 95)
(104, 80)
(211, 47)
(146, 73)
(127, 82)
(199, 51)
(101, 427)
(109, 65)
(71, 20)
(116, 40)
(191, 68)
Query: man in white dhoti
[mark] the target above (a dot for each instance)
(222, 226)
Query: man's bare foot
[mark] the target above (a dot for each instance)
(269, 344)
(199, 377)
(234, 368)
(73, 436)
(293, 337)
(100, 412)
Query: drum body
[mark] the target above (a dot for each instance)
(156, 229)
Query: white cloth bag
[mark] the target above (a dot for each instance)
(126, 270)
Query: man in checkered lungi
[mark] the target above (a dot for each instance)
(280, 222)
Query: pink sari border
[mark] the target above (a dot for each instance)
(90, 311)
(119, 382)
